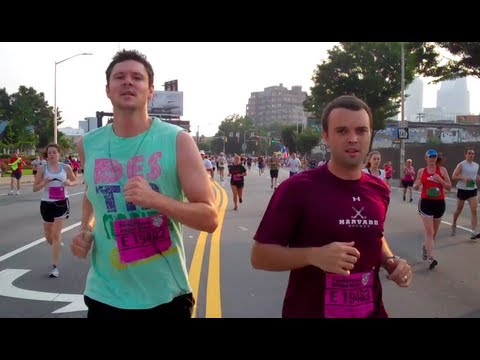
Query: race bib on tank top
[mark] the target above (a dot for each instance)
(141, 238)
(56, 192)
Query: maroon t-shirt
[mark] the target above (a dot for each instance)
(315, 208)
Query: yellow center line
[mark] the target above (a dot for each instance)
(197, 259)
(213, 303)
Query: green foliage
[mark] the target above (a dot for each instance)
(232, 125)
(30, 119)
(462, 59)
(307, 140)
(289, 137)
(369, 70)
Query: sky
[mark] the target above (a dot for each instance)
(216, 78)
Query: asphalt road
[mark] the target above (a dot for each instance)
(223, 280)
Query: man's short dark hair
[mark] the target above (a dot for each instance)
(134, 55)
(349, 102)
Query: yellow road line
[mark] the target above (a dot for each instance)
(197, 259)
(213, 303)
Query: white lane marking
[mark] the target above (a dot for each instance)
(34, 243)
(243, 228)
(458, 226)
(8, 276)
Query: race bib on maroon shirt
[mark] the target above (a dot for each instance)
(349, 296)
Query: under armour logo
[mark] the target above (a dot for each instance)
(356, 198)
(358, 213)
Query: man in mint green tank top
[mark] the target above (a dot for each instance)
(139, 172)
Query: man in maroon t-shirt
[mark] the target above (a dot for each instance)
(334, 252)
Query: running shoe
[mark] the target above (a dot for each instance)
(432, 263)
(54, 272)
(475, 235)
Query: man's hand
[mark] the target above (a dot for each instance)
(81, 244)
(138, 192)
(399, 272)
(336, 257)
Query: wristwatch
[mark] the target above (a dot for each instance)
(394, 257)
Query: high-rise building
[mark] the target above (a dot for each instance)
(414, 100)
(277, 104)
(89, 124)
(453, 97)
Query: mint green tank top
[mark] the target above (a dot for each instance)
(109, 161)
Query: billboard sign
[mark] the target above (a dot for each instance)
(166, 103)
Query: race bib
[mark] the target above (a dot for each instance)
(56, 192)
(349, 296)
(433, 192)
(471, 183)
(237, 177)
(141, 238)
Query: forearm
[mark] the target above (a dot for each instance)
(272, 257)
(196, 215)
(37, 187)
(447, 186)
(88, 219)
(386, 252)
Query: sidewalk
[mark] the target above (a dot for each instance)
(26, 179)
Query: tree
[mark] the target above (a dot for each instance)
(5, 107)
(451, 60)
(232, 125)
(289, 138)
(369, 70)
(30, 119)
(307, 140)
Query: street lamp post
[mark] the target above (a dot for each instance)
(55, 95)
(223, 139)
(402, 121)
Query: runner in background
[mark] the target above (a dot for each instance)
(16, 163)
(408, 179)
(53, 178)
(466, 175)
(388, 172)
(237, 173)
(434, 180)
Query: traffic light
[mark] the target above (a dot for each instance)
(272, 141)
(225, 139)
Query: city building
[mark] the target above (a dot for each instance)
(453, 98)
(277, 104)
(90, 123)
(414, 101)
(74, 134)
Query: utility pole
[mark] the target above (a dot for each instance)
(402, 120)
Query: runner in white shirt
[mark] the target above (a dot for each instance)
(373, 165)
(466, 174)
(293, 163)
(207, 163)
(221, 165)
